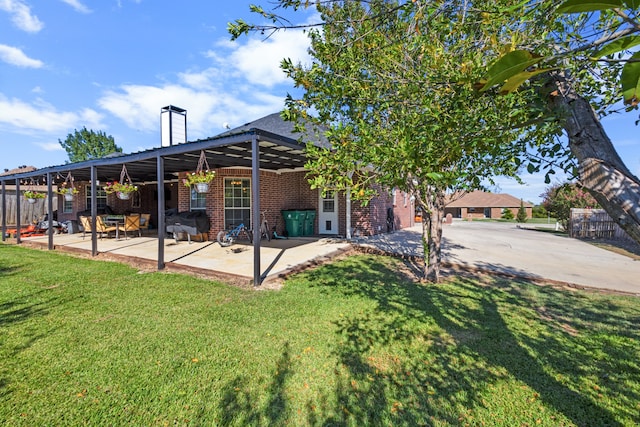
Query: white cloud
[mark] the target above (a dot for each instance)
(139, 106)
(241, 85)
(21, 15)
(258, 61)
(40, 116)
(77, 5)
(14, 56)
(50, 146)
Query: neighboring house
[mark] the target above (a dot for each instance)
(481, 204)
(282, 183)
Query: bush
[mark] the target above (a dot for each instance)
(561, 198)
(507, 214)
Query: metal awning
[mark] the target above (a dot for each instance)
(253, 148)
(277, 153)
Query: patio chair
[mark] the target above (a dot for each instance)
(144, 221)
(132, 223)
(101, 227)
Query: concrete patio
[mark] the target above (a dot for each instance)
(233, 263)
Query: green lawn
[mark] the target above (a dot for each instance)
(352, 343)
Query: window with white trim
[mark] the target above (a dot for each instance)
(237, 202)
(101, 197)
(198, 201)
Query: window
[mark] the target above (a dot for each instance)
(328, 202)
(237, 202)
(198, 200)
(67, 205)
(101, 198)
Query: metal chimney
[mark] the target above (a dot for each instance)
(173, 125)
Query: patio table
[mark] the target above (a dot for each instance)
(116, 221)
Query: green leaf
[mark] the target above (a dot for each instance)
(619, 45)
(508, 66)
(577, 6)
(514, 82)
(630, 81)
(632, 4)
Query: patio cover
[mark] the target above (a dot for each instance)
(246, 146)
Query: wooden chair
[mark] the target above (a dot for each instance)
(132, 223)
(144, 221)
(85, 222)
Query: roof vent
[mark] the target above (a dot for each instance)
(173, 125)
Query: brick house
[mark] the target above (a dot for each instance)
(229, 201)
(481, 204)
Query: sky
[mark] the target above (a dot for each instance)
(111, 65)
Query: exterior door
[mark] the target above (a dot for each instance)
(328, 213)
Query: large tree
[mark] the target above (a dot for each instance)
(581, 59)
(395, 87)
(87, 144)
(572, 61)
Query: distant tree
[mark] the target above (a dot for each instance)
(87, 144)
(522, 213)
(560, 198)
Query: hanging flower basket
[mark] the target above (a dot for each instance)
(201, 178)
(33, 196)
(202, 187)
(68, 193)
(67, 189)
(123, 188)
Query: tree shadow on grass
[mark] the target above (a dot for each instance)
(442, 346)
(240, 406)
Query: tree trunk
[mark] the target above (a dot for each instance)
(433, 211)
(602, 171)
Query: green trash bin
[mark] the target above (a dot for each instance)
(294, 222)
(309, 223)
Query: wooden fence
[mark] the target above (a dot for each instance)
(595, 224)
(29, 212)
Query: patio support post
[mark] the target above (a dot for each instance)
(255, 179)
(18, 213)
(161, 222)
(4, 211)
(94, 210)
(50, 211)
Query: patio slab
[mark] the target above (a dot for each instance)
(277, 257)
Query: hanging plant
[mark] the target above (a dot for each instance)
(32, 196)
(122, 188)
(67, 189)
(202, 176)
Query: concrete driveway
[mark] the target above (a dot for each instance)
(509, 249)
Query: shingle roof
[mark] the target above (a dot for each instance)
(19, 169)
(483, 199)
(275, 124)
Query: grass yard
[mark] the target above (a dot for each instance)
(353, 343)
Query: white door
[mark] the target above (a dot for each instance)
(328, 213)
